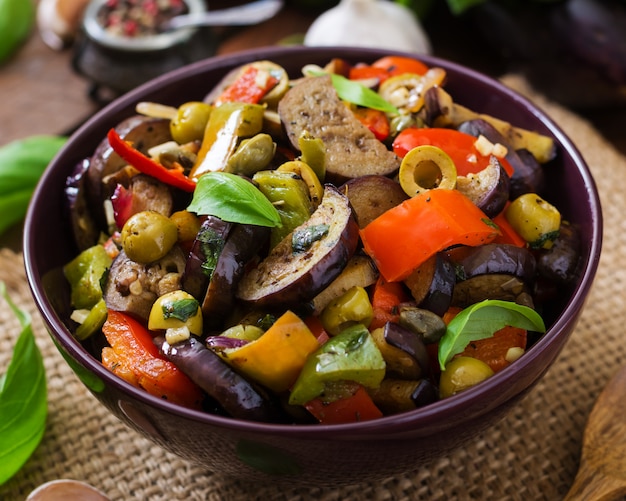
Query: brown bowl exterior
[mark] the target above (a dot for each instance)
(307, 454)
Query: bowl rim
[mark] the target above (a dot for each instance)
(425, 416)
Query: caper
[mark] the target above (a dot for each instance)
(190, 122)
(148, 236)
(462, 373)
(426, 167)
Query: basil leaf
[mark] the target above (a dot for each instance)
(482, 320)
(181, 310)
(23, 399)
(234, 199)
(302, 240)
(358, 94)
(22, 163)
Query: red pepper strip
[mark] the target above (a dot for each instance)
(317, 329)
(374, 120)
(508, 235)
(148, 166)
(405, 236)
(248, 88)
(354, 408)
(134, 357)
(398, 65)
(386, 298)
(364, 72)
(458, 145)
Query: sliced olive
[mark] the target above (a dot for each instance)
(148, 236)
(426, 167)
(462, 373)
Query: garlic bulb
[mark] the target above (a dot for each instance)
(369, 23)
(58, 21)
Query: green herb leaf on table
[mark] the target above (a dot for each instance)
(23, 398)
(234, 199)
(482, 320)
(22, 162)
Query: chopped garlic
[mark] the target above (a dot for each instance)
(175, 335)
(513, 354)
(486, 147)
(79, 316)
(499, 150)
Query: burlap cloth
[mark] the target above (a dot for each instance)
(531, 455)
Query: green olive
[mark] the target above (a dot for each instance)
(535, 220)
(190, 122)
(252, 155)
(148, 236)
(462, 373)
(353, 307)
(174, 310)
(426, 167)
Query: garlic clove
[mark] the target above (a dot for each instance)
(58, 21)
(369, 23)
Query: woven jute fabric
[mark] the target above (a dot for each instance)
(532, 454)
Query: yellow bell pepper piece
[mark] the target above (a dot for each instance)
(276, 358)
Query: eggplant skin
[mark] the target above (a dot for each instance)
(494, 258)
(242, 245)
(288, 279)
(232, 391)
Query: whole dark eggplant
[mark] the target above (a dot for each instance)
(234, 393)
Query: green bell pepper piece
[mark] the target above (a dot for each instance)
(290, 195)
(352, 355)
(84, 274)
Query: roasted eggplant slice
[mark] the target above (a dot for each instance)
(84, 227)
(431, 284)
(352, 150)
(144, 132)
(495, 286)
(370, 196)
(561, 263)
(493, 258)
(133, 287)
(528, 175)
(234, 393)
(306, 261)
(242, 245)
(489, 189)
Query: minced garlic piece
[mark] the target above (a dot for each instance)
(513, 353)
(175, 335)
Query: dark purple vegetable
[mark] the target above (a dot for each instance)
(493, 258)
(288, 278)
(400, 395)
(204, 254)
(234, 393)
(431, 284)
(145, 133)
(224, 342)
(429, 326)
(133, 287)
(242, 244)
(561, 263)
(528, 175)
(410, 343)
(84, 228)
(488, 189)
(493, 286)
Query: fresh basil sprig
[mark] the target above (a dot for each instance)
(358, 94)
(234, 199)
(23, 398)
(482, 320)
(21, 164)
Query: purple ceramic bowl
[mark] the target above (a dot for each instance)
(308, 454)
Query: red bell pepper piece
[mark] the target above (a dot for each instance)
(374, 120)
(458, 145)
(134, 357)
(249, 87)
(398, 65)
(508, 235)
(404, 237)
(357, 406)
(386, 298)
(145, 164)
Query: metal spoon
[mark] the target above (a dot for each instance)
(602, 471)
(247, 14)
(64, 490)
